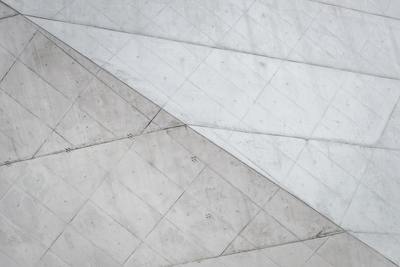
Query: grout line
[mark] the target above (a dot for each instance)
(52, 243)
(167, 128)
(9, 16)
(295, 162)
(353, 195)
(261, 248)
(141, 240)
(53, 129)
(43, 124)
(26, 109)
(261, 209)
(320, 2)
(33, 237)
(164, 216)
(85, 203)
(151, 120)
(390, 116)
(30, 39)
(301, 137)
(372, 233)
(41, 204)
(63, 8)
(223, 48)
(9, 69)
(355, 10)
(316, 251)
(83, 146)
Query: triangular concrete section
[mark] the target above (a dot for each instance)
(134, 187)
(353, 185)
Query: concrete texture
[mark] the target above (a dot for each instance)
(295, 105)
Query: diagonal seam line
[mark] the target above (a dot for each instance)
(301, 137)
(9, 16)
(262, 248)
(29, 158)
(222, 48)
(355, 9)
(250, 221)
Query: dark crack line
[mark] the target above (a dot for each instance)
(152, 119)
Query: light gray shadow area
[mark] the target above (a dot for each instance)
(94, 174)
